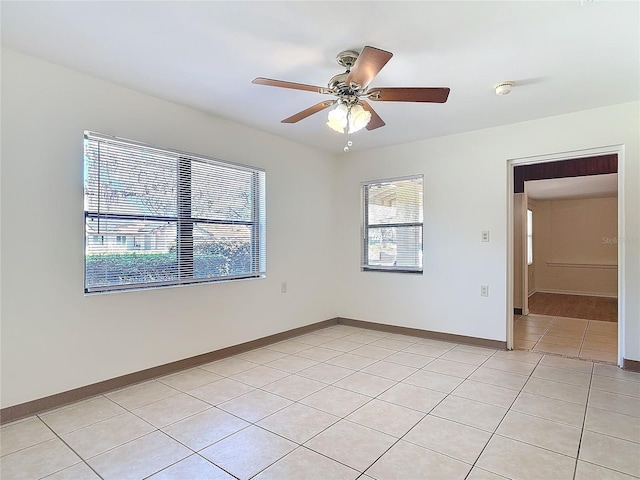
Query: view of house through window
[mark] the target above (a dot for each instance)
(392, 231)
(157, 217)
(529, 237)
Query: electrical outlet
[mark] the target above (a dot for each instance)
(283, 287)
(484, 290)
(485, 235)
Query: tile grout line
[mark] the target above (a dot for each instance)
(584, 335)
(156, 429)
(535, 416)
(255, 424)
(82, 459)
(503, 417)
(429, 412)
(182, 459)
(302, 445)
(584, 422)
(370, 400)
(288, 374)
(580, 348)
(273, 413)
(543, 333)
(631, 476)
(377, 397)
(344, 418)
(250, 424)
(159, 429)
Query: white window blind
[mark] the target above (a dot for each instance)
(157, 217)
(393, 223)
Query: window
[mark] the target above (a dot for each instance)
(392, 231)
(529, 237)
(157, 217)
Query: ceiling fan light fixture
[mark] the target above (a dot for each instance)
(352, 110)
(351, 118)
(358, 118)
(337, 118)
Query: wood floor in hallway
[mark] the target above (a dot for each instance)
(604, 309)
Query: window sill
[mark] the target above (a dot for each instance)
(390, 270)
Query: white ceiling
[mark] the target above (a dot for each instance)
(564, 56)
(590, 186)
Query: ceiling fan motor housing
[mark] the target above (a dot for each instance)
(338, 83)
(347, 58)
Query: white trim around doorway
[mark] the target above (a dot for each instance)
(554, 157)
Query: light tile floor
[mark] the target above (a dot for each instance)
(345, 403)
(570, 337)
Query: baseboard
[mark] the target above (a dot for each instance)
(583, 294)
(416, 332)
(631, 365)
(533, 292)
(16, 412)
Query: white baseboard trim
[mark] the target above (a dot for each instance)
(573, 292)
(531, 293)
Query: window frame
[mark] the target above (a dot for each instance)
(183, 221)
(365, 226)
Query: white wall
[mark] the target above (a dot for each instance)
(53, 337)
(570, 255)
(465, 193)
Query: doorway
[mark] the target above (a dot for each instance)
(583, 321)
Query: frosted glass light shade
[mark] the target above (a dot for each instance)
(358, 118)
(337, 119)
(354, 117)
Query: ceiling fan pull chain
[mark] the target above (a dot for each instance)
(348, 131)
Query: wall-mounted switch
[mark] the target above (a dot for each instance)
(484, 290)
(283, 287)
(485, 235)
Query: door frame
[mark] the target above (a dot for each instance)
(554, 157)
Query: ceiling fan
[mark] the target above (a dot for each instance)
(353, 112)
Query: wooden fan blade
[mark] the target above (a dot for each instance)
(295, 86)
(318, 107)
(410, 94)
(376, 121)
(369, 63)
